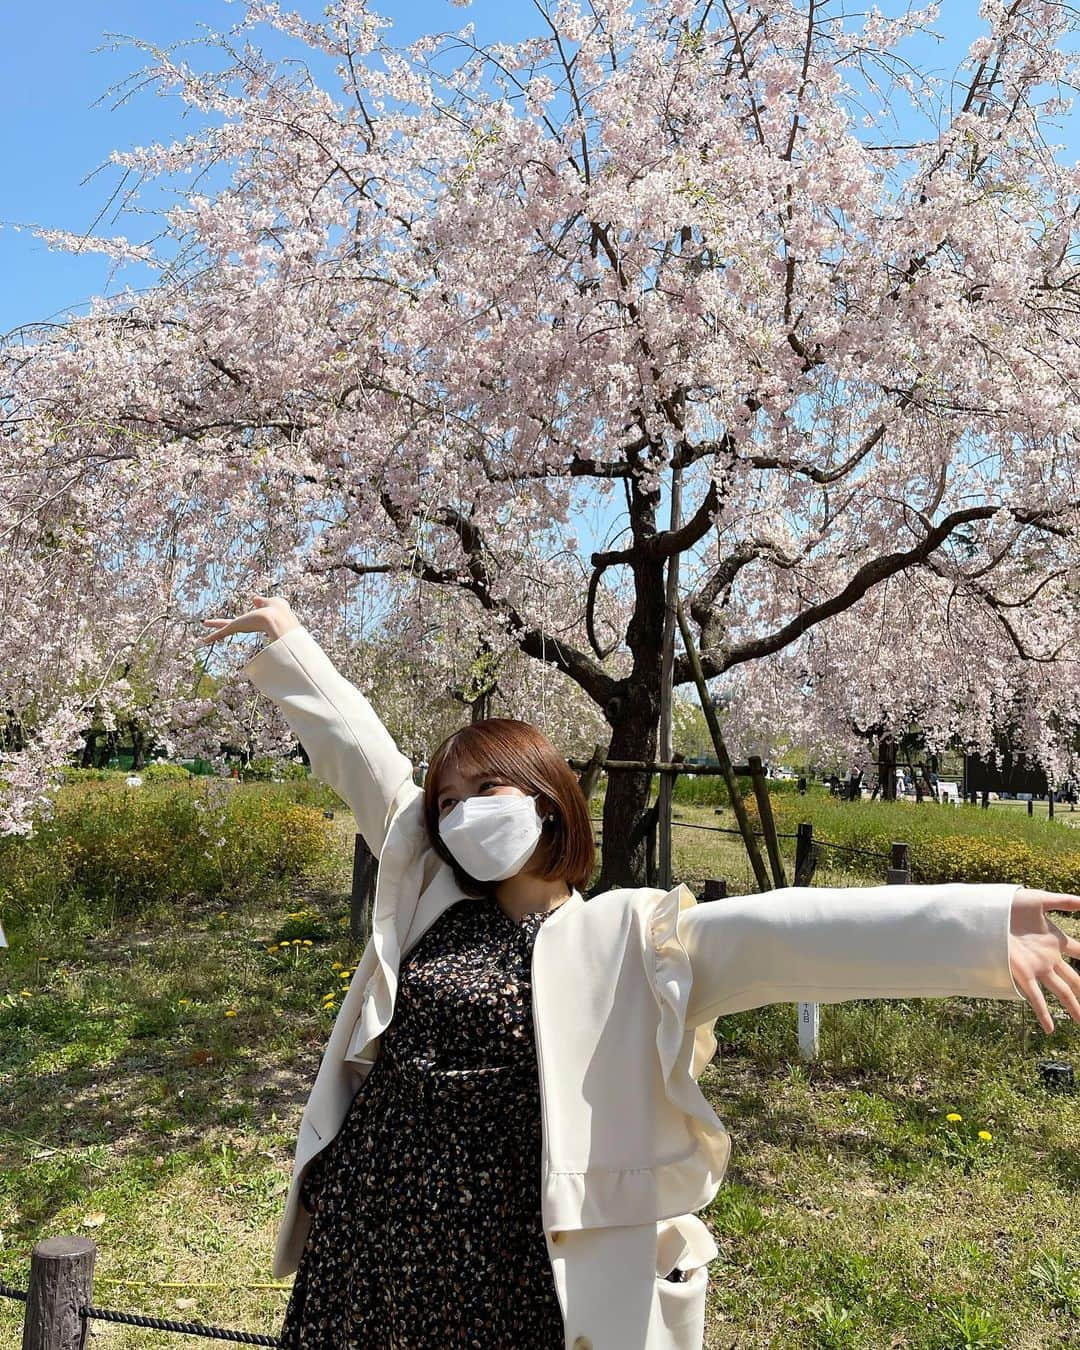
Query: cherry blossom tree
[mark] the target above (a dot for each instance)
(421, 309)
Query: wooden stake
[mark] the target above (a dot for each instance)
(745, 828)
(768, 825)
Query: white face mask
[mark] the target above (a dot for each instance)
(492, 837)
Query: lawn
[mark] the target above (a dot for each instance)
(154, 1066)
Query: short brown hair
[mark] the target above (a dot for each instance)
(522, 755)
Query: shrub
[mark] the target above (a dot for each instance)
(705, 790)
(115, 847)
(309, 791)
(261, 769)
(947, 843)
(70, 773)
(166, 773)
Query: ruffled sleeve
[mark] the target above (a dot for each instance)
(684, 1050)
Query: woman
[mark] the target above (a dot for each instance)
(505, 1143)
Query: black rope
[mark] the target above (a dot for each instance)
(184, 1328)
(848, 848)
(725, 829)
(156, 1323)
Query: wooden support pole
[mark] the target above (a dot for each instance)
(667, 670)
(362, 898)
(745, 828)
(768, 825)
(61, 1282)
(1050, 802)
(590, 774)
(715, 889)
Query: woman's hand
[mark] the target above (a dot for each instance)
(1037, 952)
(271, 616)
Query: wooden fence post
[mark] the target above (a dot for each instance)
(899, 873)
(806, 854)
(61, 1280)
(1050, 801)
(363, 891)
(768, 825)
(715, 889)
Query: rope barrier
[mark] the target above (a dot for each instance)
(158, 1323)
(726, 829)
(182, 1328)
(182, 1284)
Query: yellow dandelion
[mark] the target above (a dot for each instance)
(954, 1115)
(223, 915)
(336, 965)
(345, 974)
(25, 993)
(307, 942)
(985, 1134)
(272, 948)
(230, 1012)
(184, 1002)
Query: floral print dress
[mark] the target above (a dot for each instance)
(426, 1228)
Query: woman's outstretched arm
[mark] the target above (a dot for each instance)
(347, 744)
(834, 944)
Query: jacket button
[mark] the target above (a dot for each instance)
(582, 1343)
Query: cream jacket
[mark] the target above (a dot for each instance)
(626, 988)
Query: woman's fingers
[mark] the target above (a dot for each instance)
(243, 623)
(1066, 994)
(256, 620)
(219, 626)
(1029, 987)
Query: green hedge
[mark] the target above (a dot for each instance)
(118, 847)
(165, 773)
(947, 843)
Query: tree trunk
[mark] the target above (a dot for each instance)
(625, 855)
(138, 747)
(887, 767)
(109, 750)
(89, 754)
(634, 717)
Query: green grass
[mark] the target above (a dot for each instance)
(132, 1109)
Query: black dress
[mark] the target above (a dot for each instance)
(426, 1228)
